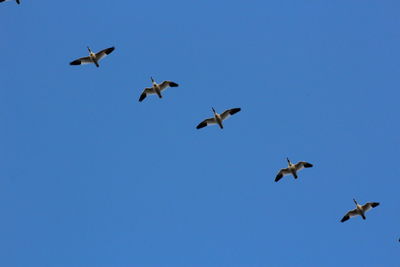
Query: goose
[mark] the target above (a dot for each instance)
(93, 57)
(156, 88)
(218, 118)
(359, 210)
(292, 169)
(18, 2)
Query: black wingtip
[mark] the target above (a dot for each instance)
(278, 177)
(172, 84)
(109, 50)
(375, 204)
(142, 97)
(308, 165)
(201, 125)
(234, 111)
(345, 218)
(75, 62)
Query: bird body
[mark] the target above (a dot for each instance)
(359, 210)
(218, 119)
(292, 169)
(156, 88)
(93, 57)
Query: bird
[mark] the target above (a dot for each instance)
(359, 210)
(93, 57)
(156, 88)
(218, 118)
(18, 2)
(292, 169)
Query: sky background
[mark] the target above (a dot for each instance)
(91, 177)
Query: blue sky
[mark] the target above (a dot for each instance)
(91, 177)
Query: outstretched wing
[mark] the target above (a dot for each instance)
(369, 205)
(282, 173)
(206, 122)
(302, 164)
(166, 84)
(8, 0)
(227, 113)
(349, 214)
(146, 91)
(105, 52)
(82, 60)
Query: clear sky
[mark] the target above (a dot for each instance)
(91, 177)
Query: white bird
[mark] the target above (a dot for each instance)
(156, 88)
(218, 118)
(18, 2)
(292, 169)
(359, 210)
(93, 57)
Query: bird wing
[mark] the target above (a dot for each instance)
(206, 122)
(302, 164)
(227, 113)
(9, 0)
(166, 84)
(103, 53)
(282, 173)
(146, 91)
(369, 205)
(82, 60)
(349, 214)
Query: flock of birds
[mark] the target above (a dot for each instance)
(157, 88)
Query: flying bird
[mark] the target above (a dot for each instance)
(18, 2)
(359, 210)
(292, 169)
(218, 118)
(93, 57)
(156, 88)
